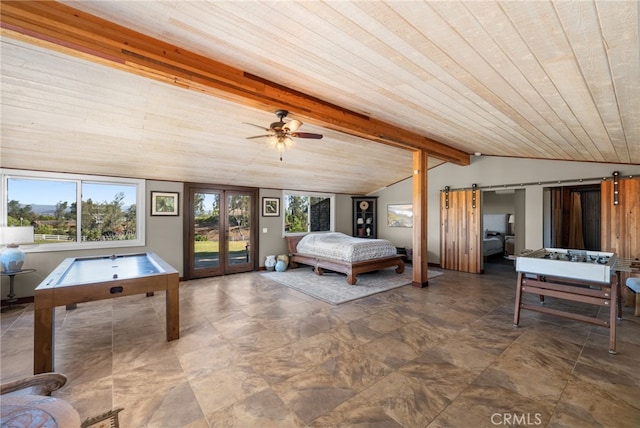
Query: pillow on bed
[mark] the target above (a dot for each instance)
(490, 233)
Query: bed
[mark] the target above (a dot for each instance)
(338, 252)
(495, 230)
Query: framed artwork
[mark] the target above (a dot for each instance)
(400, 215)
(164, 203)
(271, 207)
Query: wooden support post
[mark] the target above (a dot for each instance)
(420, 263)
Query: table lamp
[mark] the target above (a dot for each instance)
(12, 256)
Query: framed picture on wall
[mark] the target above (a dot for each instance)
(271, 207)
(400, 215)
(164, 203)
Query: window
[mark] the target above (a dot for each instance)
(71, 211)
(308, 212)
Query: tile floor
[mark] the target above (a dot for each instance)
(254, 353)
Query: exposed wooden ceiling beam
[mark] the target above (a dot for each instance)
(59, 27)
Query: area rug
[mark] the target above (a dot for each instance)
(333, 288)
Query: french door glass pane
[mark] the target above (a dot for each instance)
(239, 228)
(206, 245)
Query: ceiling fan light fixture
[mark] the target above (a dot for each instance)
(281, 143)
(272, 141)
(292, 125)
(289, 142)
(282, 133)
(278, 142)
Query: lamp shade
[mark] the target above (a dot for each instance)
(16, 235)
(12, 257)
(512, 219)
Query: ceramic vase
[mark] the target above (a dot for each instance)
(281, 266)
(11, 258)
(284, 258)
(270, 263)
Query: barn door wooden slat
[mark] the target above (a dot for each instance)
(461, 231)
(620, 224)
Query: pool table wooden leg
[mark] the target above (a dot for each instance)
(173, 308)
(43, 340)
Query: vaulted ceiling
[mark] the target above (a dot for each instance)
(532, 79)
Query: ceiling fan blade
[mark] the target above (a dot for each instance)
(257, 126)
(292, 125)
(259, 136)
(307, 135)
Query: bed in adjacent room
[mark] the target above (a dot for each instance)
(495, 231)
(338, 252)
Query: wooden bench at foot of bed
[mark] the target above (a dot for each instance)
(350, 269)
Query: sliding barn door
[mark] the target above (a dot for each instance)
(461, 230)
(620, 223)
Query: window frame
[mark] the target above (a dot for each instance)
(79, 179)
(330, 196)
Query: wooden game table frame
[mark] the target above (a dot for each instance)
(48, 295)
(591, 292)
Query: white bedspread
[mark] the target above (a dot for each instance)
(335, 245)
(493, 245)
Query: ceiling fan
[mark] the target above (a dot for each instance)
(280, 134)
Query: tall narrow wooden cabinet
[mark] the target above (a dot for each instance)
(365, 216)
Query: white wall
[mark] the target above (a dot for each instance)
(164, 233)
(520, 220)
(499, 173)
(497, 203)
(400, 193)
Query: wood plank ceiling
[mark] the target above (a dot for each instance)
(545, 80)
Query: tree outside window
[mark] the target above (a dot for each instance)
(307, 213)
(106, 211)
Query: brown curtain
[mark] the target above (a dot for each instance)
(556, 234)
(576, 238)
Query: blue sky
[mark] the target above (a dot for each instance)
(49, 192)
